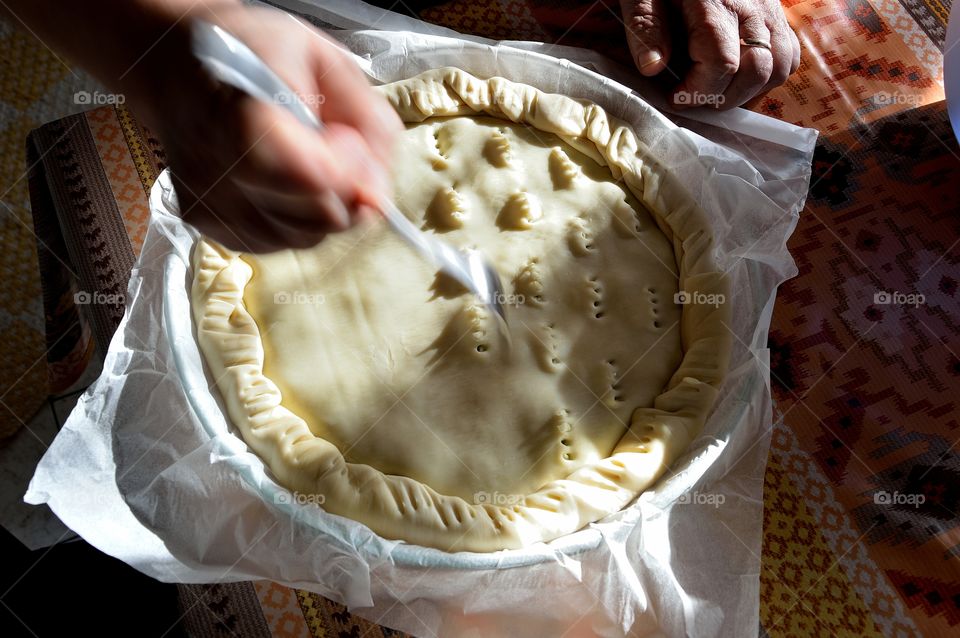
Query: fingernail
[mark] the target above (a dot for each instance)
(648, 58)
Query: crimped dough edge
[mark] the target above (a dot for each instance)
(401, 508)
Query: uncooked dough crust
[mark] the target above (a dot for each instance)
(359, 373)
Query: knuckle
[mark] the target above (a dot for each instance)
(763, 67)
(640, 23)
(726, 64)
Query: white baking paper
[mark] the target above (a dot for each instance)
(147, 468)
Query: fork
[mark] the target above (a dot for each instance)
(233, 63)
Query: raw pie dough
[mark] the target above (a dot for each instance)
(359, 373)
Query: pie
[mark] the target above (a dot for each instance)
(379, 387)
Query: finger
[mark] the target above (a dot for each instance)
(241, 230)
(228, 216)
(277, 152)
(756, 64)
(795, 58)
(714, 48)
(292, 233)
(648, 34)
(368, 178)
(355, 103)
(312, 213)
(781, 48)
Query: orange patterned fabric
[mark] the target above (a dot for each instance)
(281, 610)
(860, 530)
(121, 172)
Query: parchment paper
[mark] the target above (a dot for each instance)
(147, 468)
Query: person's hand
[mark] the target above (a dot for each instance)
(247, 173)
(723, 73)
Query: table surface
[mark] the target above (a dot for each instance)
(861, 531)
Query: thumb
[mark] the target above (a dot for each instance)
(361, 177)
(648, 34)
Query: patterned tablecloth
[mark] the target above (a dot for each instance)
(861, 533)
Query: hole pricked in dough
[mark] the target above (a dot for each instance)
(528, 283)
(561, 421)
(547, 348)
(563, 424)
(612, 396)
(626, 220)
(580, 238)
(563, 171)
(475, 321)
(466, 332)
(520, 212)
(447, 211)
(496, 150)
(595, 297)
